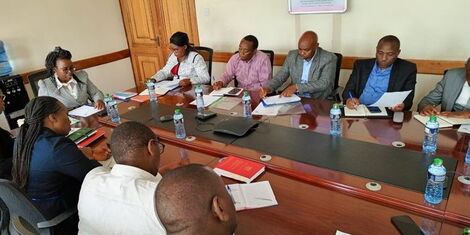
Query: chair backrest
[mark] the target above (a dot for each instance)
(271, 58)
(338, 69)
(34, 79)
(19, 205)
(207, 54)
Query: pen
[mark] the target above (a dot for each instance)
(350, 96)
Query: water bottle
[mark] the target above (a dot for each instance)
(179, 124)
(199, 99)
(5, 67)
(112, 109)
(151, 88)
(246, 99)
(431, 132)
(435, 184)
(467, 156)
(466, 231)
(335, 120)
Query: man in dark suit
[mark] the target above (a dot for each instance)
(371, 78)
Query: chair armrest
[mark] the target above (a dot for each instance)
(21, 226)
(57, 220)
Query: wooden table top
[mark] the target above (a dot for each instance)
(322, 200)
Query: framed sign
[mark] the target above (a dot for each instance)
(317, 6)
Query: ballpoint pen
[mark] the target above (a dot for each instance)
(350, 96)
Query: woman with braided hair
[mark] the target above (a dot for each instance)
(46, 164)
(72, 88)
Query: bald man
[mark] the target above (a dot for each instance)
(371, 78)
(121, 200)
(452, 93)
(193, 200)
(311, 69)
(6, 146)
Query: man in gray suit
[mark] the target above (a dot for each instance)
(311, 69)
(452, 93)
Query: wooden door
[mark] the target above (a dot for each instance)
(180, 15)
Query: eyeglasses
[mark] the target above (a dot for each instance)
(161, 146)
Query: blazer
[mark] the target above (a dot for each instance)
(321, 77)
(402, 78)
(447, 90)
(86, 90)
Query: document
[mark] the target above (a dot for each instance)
(227, 103)
(208, 100)
(163, 87)
(362, 111)
(278, 100)
(83, 111)
(251, 196)
(444, 121)
(267, 110)
(391, 99)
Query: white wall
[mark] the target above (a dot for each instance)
(87, 28)
(429, 29)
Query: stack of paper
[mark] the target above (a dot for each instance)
(124, 95)
(208, 100)
(251, 196)
(84, 111)
(444, 121)
(278, 100)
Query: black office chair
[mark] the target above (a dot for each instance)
(207, 54)
(271, 59)
(22, 215)
(34, 79)
(335, 93)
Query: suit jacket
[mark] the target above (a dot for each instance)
(86, 90)
(402, 78)
(321, 77)
(447, 90)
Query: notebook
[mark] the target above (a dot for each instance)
(252, 196)
(362, 111)
(79, 135)
(141, 98)
(124, 95)
(84, 111)
(228, 91)
(278, 100)
(443, 121)
(90, 139)
(239, 169)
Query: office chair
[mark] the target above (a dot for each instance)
(22, 215)
(335, 94)
(207, 54)
(34, 79)
(270, 54)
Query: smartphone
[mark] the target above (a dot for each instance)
(406, 225)
(234, 91)
(166, 118)
(374, 109)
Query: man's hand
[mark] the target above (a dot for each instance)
(429, 110)
(462, 114)
(185, 82)
(398, 107)
(352, 103)
(263, 92)
(99, 105)
(217, 85)
(289, 91)
(98, 153)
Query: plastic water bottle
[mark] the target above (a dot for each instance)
(5, 67)
(112, 109)
(435, 184)
(466, 231)
(246, 99)
(431, 132)
(335, 120)
(199, 99)
(179, 124)
(151, 88)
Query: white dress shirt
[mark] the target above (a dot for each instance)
(464, 95)
(119, 201)
(70, 86)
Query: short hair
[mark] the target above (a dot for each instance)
(128, 137)
(253, 40)
(57, 54)
(391, 39)
(183, 197)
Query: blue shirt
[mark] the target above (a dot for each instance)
(376, 85)
(305, 73)
(56, 171)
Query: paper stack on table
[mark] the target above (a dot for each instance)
(84, 111)
(443, 121)
(278, 100)
(252, 196)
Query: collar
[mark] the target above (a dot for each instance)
(377, 68)
(61, 84)
(134, 172)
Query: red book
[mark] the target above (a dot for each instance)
(140, 98)
(239, 169)
(91, 138)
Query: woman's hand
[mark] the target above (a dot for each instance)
(185, 82)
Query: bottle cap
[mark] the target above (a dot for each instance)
(198, 86)
(433, 118)
(177, 111)
(246, 93)
(336, 106)
(466, 231)
(437, 161)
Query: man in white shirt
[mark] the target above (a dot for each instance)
(121, 200)
(452, 93)
(193, 200)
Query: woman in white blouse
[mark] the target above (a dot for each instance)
(184, 63)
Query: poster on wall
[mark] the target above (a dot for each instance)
(317, 6)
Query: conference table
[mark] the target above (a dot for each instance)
(314, 199)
